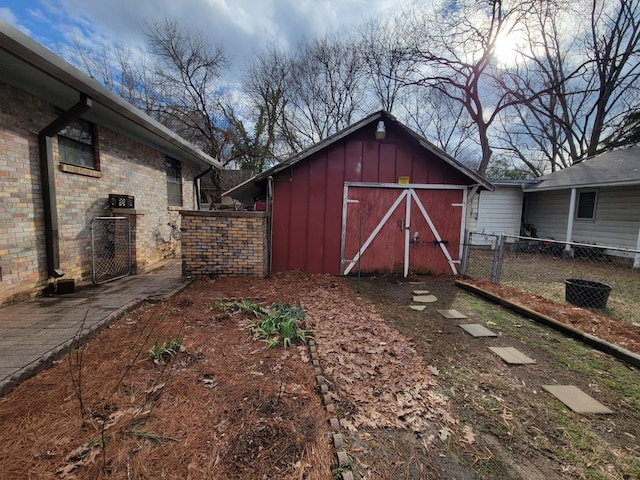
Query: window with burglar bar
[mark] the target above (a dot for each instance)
(174, 182)
(76, 145)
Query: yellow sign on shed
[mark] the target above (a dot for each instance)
(404, 180)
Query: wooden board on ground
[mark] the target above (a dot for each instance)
(512, 355)
(576, 399)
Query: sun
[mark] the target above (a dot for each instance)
(508, 48)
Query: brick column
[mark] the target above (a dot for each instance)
(224, 243)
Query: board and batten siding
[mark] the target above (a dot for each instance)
(308, 195)
(616, 223)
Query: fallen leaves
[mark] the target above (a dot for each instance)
(379, 376)
(468, 436)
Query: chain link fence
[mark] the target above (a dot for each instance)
(584, 275)
(111, 256)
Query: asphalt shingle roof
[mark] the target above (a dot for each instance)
(614, 168)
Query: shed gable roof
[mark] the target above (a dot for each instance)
(30, 66)
(620, 167)
(255, 185)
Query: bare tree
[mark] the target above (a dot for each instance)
(579, 89)
(440, 119)
(119, 68)
(381, 47)
(325, 90)
(264, 86)
(188, 72)
(177, 80)
(453, 51)
(613, 50)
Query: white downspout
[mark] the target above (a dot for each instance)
(572, 211)
(636, 258)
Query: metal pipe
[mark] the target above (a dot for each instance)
(196, 185)
(47, 174)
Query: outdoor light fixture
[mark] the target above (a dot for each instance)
(380, 131)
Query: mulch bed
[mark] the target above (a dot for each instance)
(613, 330)
(225, 406)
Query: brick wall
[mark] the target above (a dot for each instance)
(22, 246)
(224, 243)
(126, 167)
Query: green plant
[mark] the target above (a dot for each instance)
(287, 311)
(161, 352)
(288, 330)
(220, 306)
(280, 324)
(245, 305)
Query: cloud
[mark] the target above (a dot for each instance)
(8, 15)
(240, 27)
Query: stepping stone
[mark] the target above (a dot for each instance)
(425, 298)
(451, 314)
(512, 355)
(576, 399)
(477, 330)
(419, 308)
(420, 292)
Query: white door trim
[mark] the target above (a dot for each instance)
(373, 235)
(408, 192)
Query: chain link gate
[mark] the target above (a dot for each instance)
(110, 249)
(482, 256)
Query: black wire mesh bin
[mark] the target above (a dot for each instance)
(586, 293)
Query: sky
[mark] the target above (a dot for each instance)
(239, 26)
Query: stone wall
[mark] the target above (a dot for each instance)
(224, 243)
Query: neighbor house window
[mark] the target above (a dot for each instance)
(174, 182)
(76, 145)
(587, 205)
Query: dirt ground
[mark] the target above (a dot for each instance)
(416, 397)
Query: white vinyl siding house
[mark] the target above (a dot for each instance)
(596, 201)
(497, 212)
(547, 213)
(616, 222)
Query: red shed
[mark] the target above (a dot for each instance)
(375, 196)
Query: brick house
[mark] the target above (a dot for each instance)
(66, 145)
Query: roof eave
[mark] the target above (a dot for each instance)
(374, 117)
(44, 72)
(542, 188)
